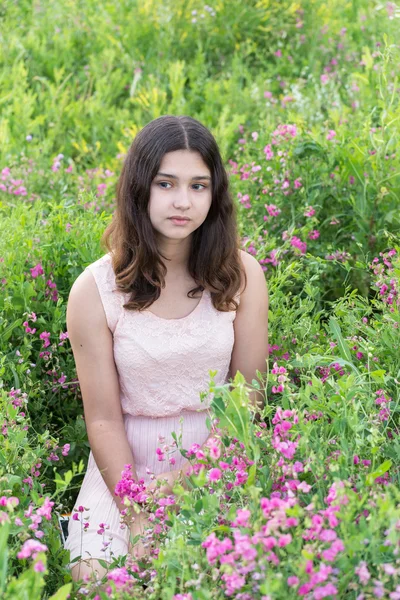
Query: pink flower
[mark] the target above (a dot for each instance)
(119, 576)
(309, 212)
(324, 591)
(10, 502)
(224, 465)
(45, 336)
(39, 567)
(292, 581)
(45, 509)
(242, 518)
(297, 243)
(273, 210)
(314, 235)
(363, 573)
(331, 134)
(268, 152)
(284, 540)
(304, 487)
(215, 451)
(214, 475)
(30, 548)
(66, 449)
(37, 270)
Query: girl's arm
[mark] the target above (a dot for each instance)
(92, 346)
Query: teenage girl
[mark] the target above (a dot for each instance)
(173, 298)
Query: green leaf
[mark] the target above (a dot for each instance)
(186, 513)
(342, 345)
(103, 563)
(63, 592)
(4, 530)
(199, 505)
(218, 405)
(381, 470)
(251, 477)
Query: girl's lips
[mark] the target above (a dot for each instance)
(179, 221)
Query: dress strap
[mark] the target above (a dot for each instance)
(111, 298)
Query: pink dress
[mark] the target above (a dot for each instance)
(163, 365)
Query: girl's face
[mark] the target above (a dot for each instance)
(182, 188)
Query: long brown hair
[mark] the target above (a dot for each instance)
(214, 260)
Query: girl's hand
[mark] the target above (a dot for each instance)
(171, 477)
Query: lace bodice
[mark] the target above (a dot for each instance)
(164, 364)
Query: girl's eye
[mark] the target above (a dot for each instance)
(168, 183)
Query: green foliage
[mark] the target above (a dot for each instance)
(316, 83)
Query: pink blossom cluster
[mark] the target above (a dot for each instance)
(280, 439)
(341, 256)
(282, 378)
(128, 487)
(50, 290)
(18, 398)
(10, 502)
(12, 186)
(297, 243)
(243, 557)
(31, 548)
(383, 402)
(36, 516)
(273, 259)
(386, 281)
(232, 474)
(121, 578)
(272, 210)
(283, 133)
(31, 317)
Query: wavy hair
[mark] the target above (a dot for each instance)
(214, 260)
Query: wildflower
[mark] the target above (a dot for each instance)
(214, 474)
(309, 212)
(45, 509)
(273, 210)
(242, 518)
(363, 573)
(324, 591)
(39, 567)
(268, 152)
(36, 271)
(9, 502)
(66, 449)
(30, 549)
(297, 243)
(119, 576)
(331, 134)
(4, 517)
(45, 336)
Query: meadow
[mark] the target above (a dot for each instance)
(303, 99)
